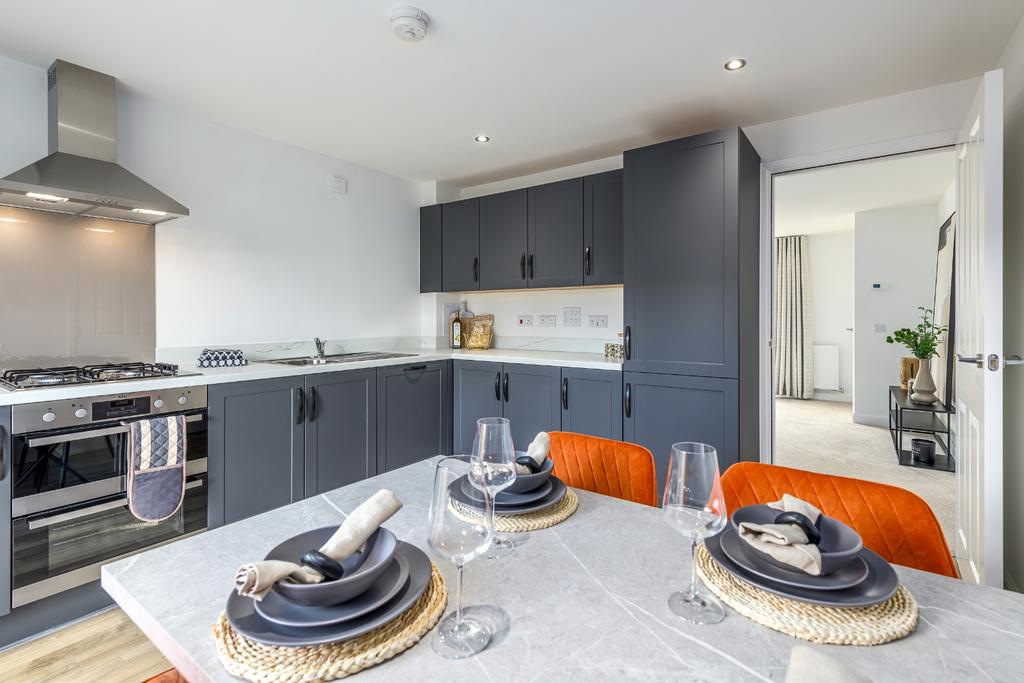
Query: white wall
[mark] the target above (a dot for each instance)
(1012, 62)
(897, 247)
(831, 277)
(268, 254)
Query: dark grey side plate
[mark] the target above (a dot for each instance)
(736, 550)
(880, 585)
(506, 498)
(243, 616)
(558, 490)
(278, 609)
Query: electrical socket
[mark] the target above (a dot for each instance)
(524, 321)
(546, 320)
(572, 316)
(597, 321)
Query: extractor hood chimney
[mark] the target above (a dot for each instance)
(80, 175)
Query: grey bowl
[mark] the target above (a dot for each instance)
(839, 546)
(528, 482)
(361, 569)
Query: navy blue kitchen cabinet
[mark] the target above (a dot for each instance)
(503, 240)
(476, 393)
(592, 402)
(413, 413)
(602, 228)
(460, 238)
(555, 234)
(340, 429)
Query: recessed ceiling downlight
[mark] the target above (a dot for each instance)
(482, 138)
(735, 64)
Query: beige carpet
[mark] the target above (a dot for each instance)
(821, 436)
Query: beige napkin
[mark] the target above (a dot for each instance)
(255, 579)
(807, 665)
(539, 448)
(786, 543)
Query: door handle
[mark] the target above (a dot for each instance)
(300, 396)
(978, 360)
(497, 385)
(476, 269)
(505, 388)
(586, 260)
(529, 263)
(627, 398)
(312, 403)
(1013, 360)
(565, 393)
(92, 433)
(522, 266)
(627, 341)
(414, 368)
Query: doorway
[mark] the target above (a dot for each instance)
(855, 257)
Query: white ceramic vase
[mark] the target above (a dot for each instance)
(924, 385)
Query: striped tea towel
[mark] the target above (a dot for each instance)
(156, 467)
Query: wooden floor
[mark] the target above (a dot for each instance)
(106, 648)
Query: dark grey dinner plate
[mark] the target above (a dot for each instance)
(556, 494)
(880, 584)
(244, 618)
(504, 497)
(278, 609)
(739, 552)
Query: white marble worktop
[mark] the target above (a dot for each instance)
(267, 370)
(586, 601)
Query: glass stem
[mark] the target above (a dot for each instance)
(458, 596)
(692, 592)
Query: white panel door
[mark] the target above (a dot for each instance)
(979, 337)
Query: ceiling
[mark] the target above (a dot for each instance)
(552, 83)
(825, 199)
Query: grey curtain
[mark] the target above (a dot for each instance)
(792, 342)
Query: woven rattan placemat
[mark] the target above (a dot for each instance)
(268, 663)
(531, 521)
(874, 625)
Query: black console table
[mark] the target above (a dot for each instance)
(920, 418)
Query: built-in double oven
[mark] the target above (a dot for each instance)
(69, 509)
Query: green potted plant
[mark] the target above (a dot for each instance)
(923, 341)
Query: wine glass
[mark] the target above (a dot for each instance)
(694, 505)
(459, 539)
(494, 469)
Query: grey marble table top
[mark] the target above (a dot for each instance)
(586, 601)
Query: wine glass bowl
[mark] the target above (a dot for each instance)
(694, 505)
(493, 469)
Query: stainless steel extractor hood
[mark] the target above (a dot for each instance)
(81, 175)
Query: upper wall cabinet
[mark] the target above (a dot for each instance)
(460, 243)
(602, 229)
(563, 234)
(430, 249)
(503, 243)
(556, 234)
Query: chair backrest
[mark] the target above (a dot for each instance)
(613, 468)
(895, 523)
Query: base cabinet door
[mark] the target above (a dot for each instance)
(531, 394)
(255, 447)
(661, 410)
(341, 429)
(476, 393)
(592, 402)
(413, 413)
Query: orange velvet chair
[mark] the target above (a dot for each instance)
(613, 468)
(169, 676)
(895, 523)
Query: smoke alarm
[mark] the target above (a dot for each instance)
(409, 23)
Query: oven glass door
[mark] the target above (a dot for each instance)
(53, 469)
(57, 550)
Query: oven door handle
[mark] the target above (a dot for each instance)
(43, 522)
(92, 433)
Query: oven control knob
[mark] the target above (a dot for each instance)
(49, 416)
(159, 403)
(182, 400)
(81, 412)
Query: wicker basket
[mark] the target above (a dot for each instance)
(477, 332)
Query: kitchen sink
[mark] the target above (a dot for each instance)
(341, 358)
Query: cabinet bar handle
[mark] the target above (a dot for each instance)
(530, 265)
(312, 403)
(586, 260)
(476, 269)
(522, 266)
(414, 368)
(565, 393)
(506, 387)
(628, 399)
(300, 396)
(497, 385)
(628, 341)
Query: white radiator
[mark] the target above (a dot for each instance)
(826, 367)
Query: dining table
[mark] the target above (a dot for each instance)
(583, 600)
